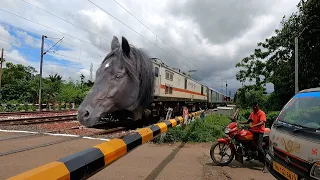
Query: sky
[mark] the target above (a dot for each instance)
(209, 36)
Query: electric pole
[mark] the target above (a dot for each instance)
(226, 88)
(41, 62)
(91, 69)
(1, 61)
(221, 85)
(296, 69)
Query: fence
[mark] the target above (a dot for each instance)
(88, 162)
(35, 107)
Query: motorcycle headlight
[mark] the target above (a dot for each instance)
(315, 171)
(227, 130)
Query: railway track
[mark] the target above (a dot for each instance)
(33, 112)
(32, 134)
(74, 137)
(37, 120)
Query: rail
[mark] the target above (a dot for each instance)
(38, 120)
(88, 162)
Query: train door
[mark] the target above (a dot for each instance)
(157, 80)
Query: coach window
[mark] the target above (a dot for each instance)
(169, 76)
(168, 90)
(156, 71)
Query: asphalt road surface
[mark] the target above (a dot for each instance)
(148, 162)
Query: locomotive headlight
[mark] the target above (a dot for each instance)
(315, 171)
(227, 130)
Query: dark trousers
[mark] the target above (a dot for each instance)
(259, 140)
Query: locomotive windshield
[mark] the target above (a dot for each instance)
(302, 110)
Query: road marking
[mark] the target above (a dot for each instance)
(52, 134)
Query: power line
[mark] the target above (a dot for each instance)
(64, 19)
(97, 35)
(58, 38)
(50, 28)
(53, 45)
(48, 51)
(134, 30)
(84, 28)
(144, 26)
(51, 52)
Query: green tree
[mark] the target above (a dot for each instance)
(273, 60)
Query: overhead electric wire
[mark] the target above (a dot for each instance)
(65, 20)
(50, 28)
(144, 26)
(53, 45)
(70, 57)
(49, 51)
(98, 35)
(59, 38)
(90, 31)
(134, 30)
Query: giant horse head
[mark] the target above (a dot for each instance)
(124, 81)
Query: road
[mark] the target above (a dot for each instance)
(149, 161)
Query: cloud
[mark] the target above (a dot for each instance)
(209, 36)
(15, 57)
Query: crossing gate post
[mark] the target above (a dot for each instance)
(169, 113)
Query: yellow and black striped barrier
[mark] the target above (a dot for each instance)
(88, 162)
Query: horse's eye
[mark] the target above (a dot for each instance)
(118, 76)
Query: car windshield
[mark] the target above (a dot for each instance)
(302, 110)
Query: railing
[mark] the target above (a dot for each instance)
(35, 107)
(88, 162)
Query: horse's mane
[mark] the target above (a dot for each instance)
(140, 61)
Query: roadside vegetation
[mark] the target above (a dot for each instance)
(207, 131)
(20, 85)
(197, 131)
(273, 61)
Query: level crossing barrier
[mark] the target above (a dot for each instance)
(88, 162)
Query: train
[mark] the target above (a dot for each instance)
(174, 89)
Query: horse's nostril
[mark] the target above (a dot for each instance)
(86, 114)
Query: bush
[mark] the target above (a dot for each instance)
(197, 131)
(244, 114)
(271, 116)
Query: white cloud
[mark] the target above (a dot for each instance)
(15, 57)
(233, 34)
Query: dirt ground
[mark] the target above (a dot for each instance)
(178, 161)
(148, 162)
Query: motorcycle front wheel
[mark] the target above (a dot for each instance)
(221, 149)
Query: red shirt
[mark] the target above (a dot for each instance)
(258, 117)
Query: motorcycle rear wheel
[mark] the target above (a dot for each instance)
(212, 153)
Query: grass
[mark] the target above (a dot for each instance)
(209, 130)
(198, 131)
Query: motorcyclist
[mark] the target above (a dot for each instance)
(258, 120)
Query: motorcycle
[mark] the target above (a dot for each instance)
(241, 143)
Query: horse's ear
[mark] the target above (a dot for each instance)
(125, 46)
(115, 43)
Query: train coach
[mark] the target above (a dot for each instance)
(174, 89)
